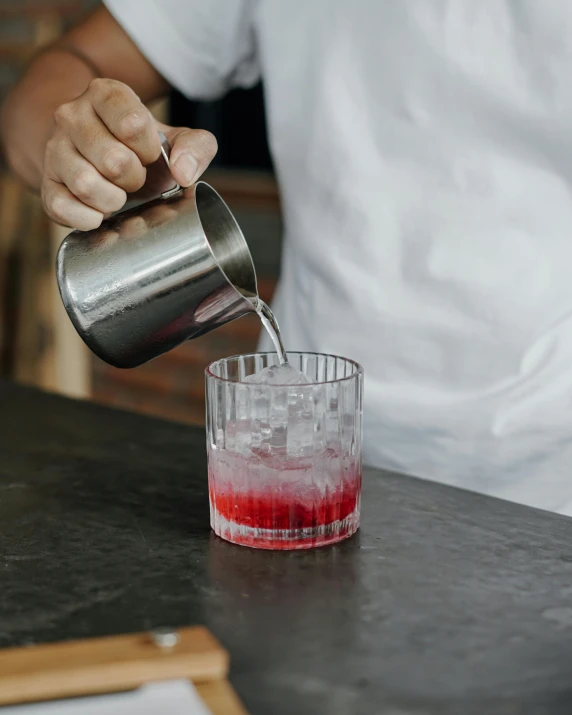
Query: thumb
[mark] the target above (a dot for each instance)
(192, 150)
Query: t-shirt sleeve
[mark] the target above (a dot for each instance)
(202, 47)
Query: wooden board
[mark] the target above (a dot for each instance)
(220, 698)
(113, 664)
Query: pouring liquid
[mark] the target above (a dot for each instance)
(271, 326)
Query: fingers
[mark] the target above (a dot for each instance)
(99, 149)
(69, 167)
(126, 118)
(67, 210)
(192, 150)
(80, 126)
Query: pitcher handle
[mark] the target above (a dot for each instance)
(166, 153)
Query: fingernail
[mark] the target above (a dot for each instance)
(187, 164)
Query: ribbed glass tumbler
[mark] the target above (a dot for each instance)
(284, 461)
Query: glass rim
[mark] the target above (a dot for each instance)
(358, 369)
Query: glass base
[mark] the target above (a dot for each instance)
(285, 539)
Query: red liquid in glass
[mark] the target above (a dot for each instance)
(277, 505)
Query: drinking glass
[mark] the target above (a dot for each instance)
(284, 461)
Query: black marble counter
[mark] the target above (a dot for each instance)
(445, 602)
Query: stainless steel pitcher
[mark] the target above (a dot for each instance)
(156, 273)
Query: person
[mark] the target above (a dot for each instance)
(422, 151)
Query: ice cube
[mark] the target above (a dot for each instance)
(278, 375)
(282, 416)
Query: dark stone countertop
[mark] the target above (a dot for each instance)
(445, 602)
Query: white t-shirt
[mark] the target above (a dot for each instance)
(424, 153)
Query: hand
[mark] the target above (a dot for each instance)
(101, 143)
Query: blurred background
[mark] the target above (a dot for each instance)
(38, 345)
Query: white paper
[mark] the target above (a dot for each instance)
(173, 697)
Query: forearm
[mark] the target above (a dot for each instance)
(26, 120)
(56, 78)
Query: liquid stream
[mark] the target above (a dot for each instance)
(271, 326)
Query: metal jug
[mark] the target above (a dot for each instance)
(156, 273)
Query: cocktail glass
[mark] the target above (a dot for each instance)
(284, 461)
